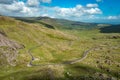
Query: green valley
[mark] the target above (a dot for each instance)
(43, 48)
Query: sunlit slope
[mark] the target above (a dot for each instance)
(62, 23)
(31, 35)
(51, 46)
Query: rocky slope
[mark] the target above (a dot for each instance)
(8, 50)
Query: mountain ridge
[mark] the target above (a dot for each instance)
(62, 23)
(48, 42)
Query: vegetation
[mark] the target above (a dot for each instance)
(51, 47)
(61, 23)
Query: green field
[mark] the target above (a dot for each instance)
(54, 50)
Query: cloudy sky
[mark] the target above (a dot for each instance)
(105, 11)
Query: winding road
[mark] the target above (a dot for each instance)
(83, 56)
(68, 62)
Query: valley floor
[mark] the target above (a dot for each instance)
(34, 52)
(101, 62)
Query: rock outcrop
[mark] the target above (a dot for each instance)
(8, 51)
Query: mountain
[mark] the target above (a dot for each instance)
(44, 48)
(61, 23)
(15, 35)
(111, 29)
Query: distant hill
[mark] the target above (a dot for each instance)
(110, 29)
(60, 23)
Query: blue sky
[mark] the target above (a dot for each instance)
(99, 11)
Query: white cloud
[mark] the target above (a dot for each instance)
(112, 17)
(6, 1)
(16, 6)
(77, 11)
(90, 12)
(18, 9)
(46, 1)
(25, 10)
(79, 6)
(92, 5)
(33, 2)
(32, 8)
(93, 11)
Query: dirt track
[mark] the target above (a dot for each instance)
(63, 63)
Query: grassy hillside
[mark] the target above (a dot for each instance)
(111, 29)
(61, 23)
(31, 35)
(53, 51)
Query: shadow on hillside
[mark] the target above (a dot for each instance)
(110, 29)
(36, 21)
(81, 73)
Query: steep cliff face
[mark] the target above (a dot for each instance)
(8, 51)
